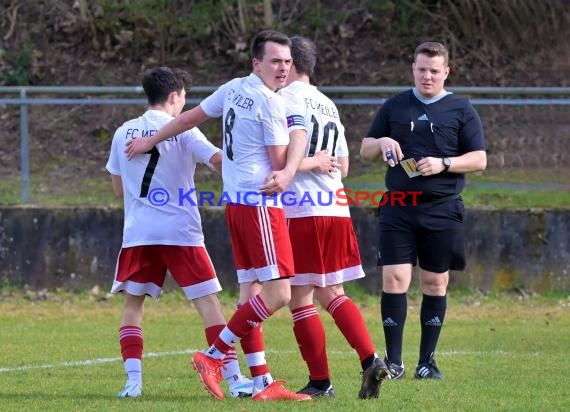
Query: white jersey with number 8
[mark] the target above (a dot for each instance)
(253, 118)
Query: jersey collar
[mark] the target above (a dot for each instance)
(433, 99)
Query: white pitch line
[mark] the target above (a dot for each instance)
(98, 361)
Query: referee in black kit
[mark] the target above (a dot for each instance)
(430, 138)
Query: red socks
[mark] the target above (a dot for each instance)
(349, 320)
(131, 341)
(310, 335)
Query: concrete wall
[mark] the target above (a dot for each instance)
(76, 248)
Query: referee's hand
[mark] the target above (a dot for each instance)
(391, 151)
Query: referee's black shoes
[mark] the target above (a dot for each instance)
(395, 371)
(428, 370)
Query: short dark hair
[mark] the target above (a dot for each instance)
(159, 82)
(433, 49)
(304, 53)
(258, 43)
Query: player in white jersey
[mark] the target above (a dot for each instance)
(159, 233)
(324, 244)
(259, 159)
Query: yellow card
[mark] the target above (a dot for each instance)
(409, 166)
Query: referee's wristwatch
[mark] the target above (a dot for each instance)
(446, 163)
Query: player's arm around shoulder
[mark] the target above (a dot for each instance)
(184, 121)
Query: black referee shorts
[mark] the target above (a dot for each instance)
(430, 233)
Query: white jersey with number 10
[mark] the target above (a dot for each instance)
(315, 192)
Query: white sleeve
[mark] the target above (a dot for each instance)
(213, 105)
(342, 147)
(113, 165)
(199, 146)
(274, 122)
(295, 110)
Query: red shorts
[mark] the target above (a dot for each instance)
(325, 250)
(141, 270)
(260, 243)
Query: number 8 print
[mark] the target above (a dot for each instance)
(228, 138)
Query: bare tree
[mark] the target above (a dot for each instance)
(267, 13)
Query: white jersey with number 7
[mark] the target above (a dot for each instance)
(160, 203)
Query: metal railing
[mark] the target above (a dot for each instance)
(351, 95)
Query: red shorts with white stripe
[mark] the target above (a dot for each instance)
(141, 270)
(325, 250)
(260, 243)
